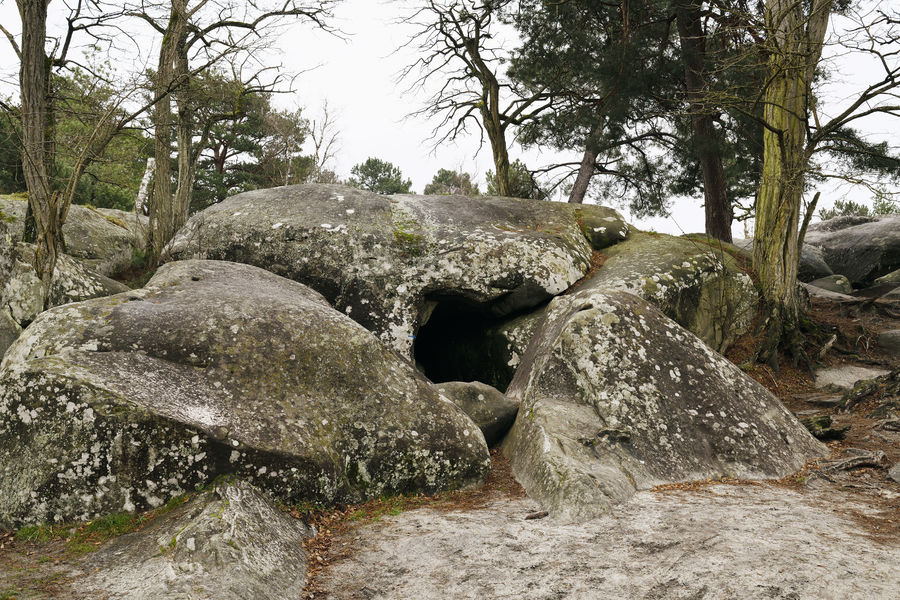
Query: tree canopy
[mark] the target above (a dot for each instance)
(450, 182)
(379, 176)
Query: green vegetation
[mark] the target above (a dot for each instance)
(87, 537)
(521, 183)
(883, 205)
(379, 176)
(447, 182)
(256, 146)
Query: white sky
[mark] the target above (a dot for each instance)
(358, 77)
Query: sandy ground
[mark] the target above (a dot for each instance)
(721, 541)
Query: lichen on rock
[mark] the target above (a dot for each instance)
(616, 397)
(213, 368)
(228, 543)
(380, 259)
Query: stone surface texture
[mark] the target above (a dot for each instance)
(229, 543)
(833, 283)
(844, 377)
(491, 410)
(697, 285)
(100, 239)
(861, 248)
(385, 260)
(719, 543)
(615, 397)
(215, 368)
(20, 288)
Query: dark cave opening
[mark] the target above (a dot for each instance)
(459, 341)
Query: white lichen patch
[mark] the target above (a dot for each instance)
(647, 423)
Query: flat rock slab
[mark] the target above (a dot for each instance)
(230, 543)
(385, 260)
(723, 542)
(846, 376)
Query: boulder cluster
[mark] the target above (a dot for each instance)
(328, 345)
(852, 256)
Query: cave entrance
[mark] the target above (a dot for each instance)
(458, 341)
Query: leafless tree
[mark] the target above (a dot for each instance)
(87, 21)
(205, 31)
(325, 140)
(459, 52)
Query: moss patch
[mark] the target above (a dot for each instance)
(87, 537)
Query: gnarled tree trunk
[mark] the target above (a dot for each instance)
(795, 48)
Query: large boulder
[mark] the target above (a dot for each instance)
(101, 239)
(860, 248)
(812, 260)
(229, 543)
(615, 397)
(695, 282)
(216, 368)
(20, 288)
(390, 261)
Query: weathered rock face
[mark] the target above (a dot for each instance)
(20, 288)
(228, 543)
(833, 283)
(892, 277)
(389, 262)
(491, 410)
(812, 261)
(100, 239)
(216, 368)
(861, 248)
(695, 284)
(616, 397)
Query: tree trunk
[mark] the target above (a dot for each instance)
(796, 47)
(586, 170)
(490, 113)
(42, 200)
(705, 138)
(162, 201)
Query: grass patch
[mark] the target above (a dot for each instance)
(9, 593)
(87, 537)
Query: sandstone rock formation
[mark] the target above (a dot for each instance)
(215, 368)
(101, 239)
(615, 397)
(389, 261)
(229, 543)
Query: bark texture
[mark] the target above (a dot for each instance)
(705, 138)
(586, 170)
(45, 204)
(164, 215)
(795, 47)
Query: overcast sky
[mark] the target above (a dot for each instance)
(357, 75)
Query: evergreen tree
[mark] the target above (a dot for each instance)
(521, 183)
(447, 182)
(379, 176)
